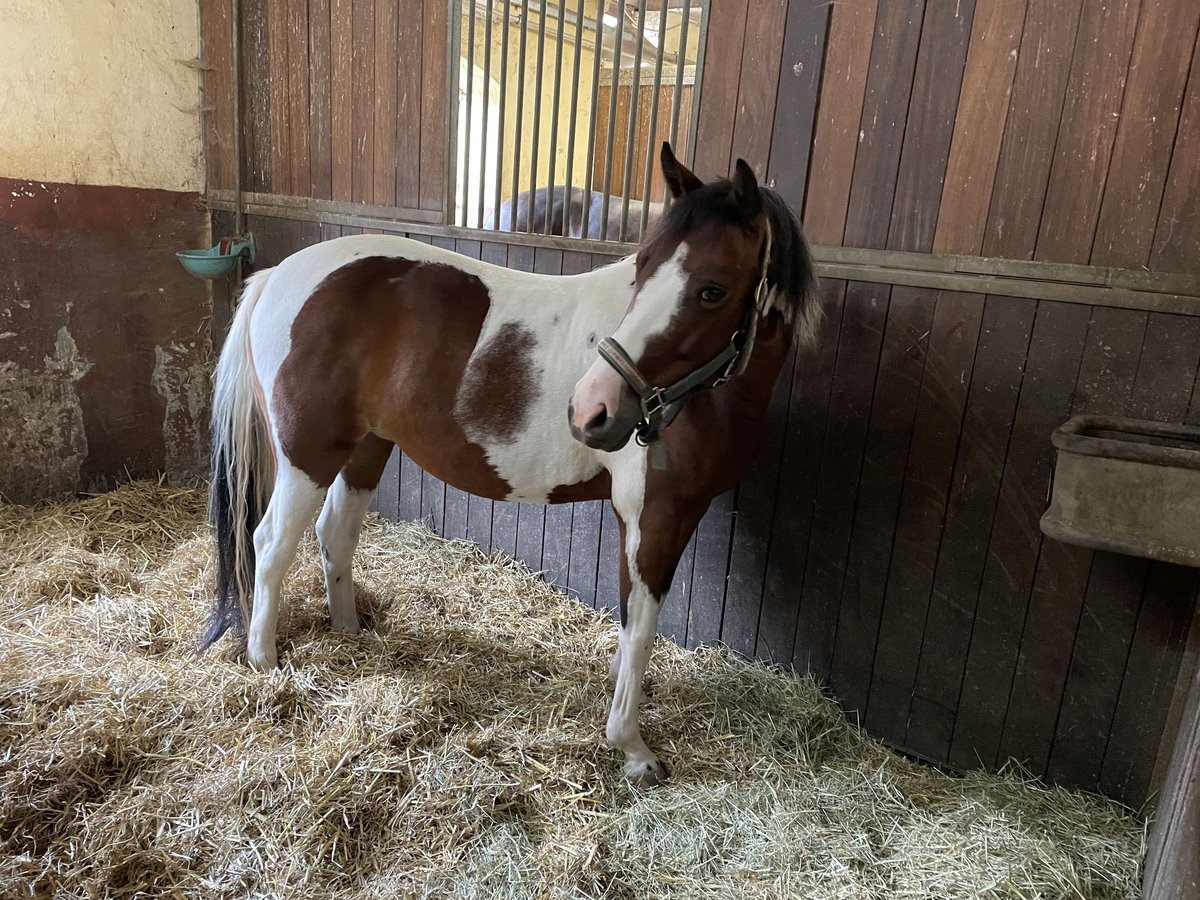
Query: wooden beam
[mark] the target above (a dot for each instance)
(1065, 283)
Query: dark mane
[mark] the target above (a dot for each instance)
(791, 275)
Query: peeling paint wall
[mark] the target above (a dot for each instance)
(105, 342)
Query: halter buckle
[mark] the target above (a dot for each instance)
(653, 405)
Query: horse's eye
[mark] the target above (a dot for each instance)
(712, 295)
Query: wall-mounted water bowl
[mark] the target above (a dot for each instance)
(218, 259)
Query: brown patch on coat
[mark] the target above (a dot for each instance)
(378, 353)
(714, 439)
(379, 348)
(366, 464)
(499, 387)
(598, 487)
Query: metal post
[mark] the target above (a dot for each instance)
(611, 136)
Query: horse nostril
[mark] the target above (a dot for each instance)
(598, 420)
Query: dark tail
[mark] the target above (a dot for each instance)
(242, 471)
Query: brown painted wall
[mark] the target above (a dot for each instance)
(105, 342)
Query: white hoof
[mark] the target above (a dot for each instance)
(646, 772)
(346, 625)
(264, 658)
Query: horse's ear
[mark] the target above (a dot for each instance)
(745, 190)
(680, 179)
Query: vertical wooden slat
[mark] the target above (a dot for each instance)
(1148, 122)
(1104, 629)
(1172, 869)
(1146, 692)
(885, 113)
(1177, 235)
(362, 119)
(885, 458)
(1089, 125)
(1097, 667)
(1043, 66)
(912, 615)
(983, 106)
(384, 140)
(408, 132)
(281, 144)
(757, 497)
(216, 18)
(796, 101)
(673, 612)
(710, 568)
(758, 82)
(410, 489)
(341, 75)
(433, 104)
(585, 550)
(839, 117)
(608, 593)
(256, 105)
(298, 95)
(863, 320)
(387, 496)
(719, 90)
(320, 174)
(932, 107)
(806, 423)
(949, 370)
(1055, 352)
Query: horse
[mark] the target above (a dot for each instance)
(565, 207)
(645, 383)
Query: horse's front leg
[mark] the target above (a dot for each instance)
(655, 531)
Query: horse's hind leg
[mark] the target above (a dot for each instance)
(340, 523)
(293, 501)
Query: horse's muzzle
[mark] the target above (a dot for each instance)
(605, 431)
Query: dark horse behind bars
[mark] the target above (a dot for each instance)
(491, 380)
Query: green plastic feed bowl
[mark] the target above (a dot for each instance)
(206, 263)
(219, 259)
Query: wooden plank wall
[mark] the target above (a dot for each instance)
(343, 99)
(645, 134)
(887, 538)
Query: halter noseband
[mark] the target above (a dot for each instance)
(660, 405)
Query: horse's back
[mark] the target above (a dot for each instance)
(460, 363)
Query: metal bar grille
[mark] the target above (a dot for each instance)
(561, 143)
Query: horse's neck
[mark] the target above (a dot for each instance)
(609, 288)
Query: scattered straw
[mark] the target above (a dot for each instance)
(453, 750)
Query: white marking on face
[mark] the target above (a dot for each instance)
(657, 304)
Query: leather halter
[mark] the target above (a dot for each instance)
(660, 405)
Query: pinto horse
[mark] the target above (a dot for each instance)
(508, 385)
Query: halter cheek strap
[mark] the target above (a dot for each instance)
(660, 405)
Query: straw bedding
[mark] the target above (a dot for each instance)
(453, 750)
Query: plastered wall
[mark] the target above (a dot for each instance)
(100, 92)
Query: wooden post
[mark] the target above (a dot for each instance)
(1173, 861)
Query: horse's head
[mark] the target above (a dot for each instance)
(726, 256)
